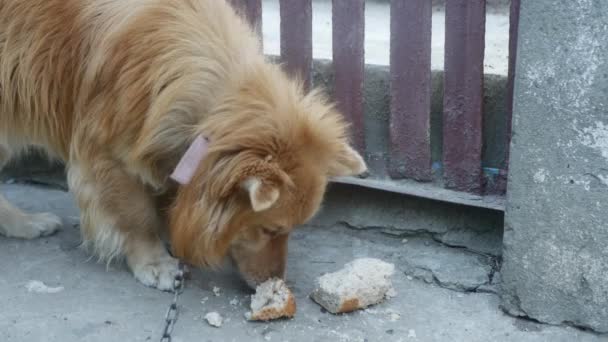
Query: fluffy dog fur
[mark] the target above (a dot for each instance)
(118, 89)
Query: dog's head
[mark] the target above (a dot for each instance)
(272, 151)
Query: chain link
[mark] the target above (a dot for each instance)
(172, 312)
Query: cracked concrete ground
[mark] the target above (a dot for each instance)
(95, 304)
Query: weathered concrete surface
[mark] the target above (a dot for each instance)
(478, 230)
(451, 268)
(555, 256)
(99, 305)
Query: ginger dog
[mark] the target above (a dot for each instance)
(126, 91)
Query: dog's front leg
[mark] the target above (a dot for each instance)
(119, 218)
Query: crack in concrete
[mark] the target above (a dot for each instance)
(522, 314)
(453, 286)
(429, 275)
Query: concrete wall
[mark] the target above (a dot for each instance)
(556, 227)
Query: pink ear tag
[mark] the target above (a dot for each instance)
(185, 169)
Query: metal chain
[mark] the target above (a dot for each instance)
(172, 312)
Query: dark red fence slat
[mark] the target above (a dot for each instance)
(411, 26)
(252, 10)
(348, 18)
(296, 37)
(463, 94)
(513, 34)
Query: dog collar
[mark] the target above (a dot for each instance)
(185, 169)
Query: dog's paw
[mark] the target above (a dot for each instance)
(37, 225)
(159, 274)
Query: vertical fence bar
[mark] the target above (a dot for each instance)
(410, 125)
(296, 37)
(463, 94)
(348, 35)
(252, 10)
(513, 33)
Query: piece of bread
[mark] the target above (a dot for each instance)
(359, 284)
(272, 300)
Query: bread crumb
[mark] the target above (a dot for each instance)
(217, 291)
(411, 333)
(272, 300)
(393, 316)
(234, 302)
(204, 300)
(214, 319)
(40, 287)
(361, 283)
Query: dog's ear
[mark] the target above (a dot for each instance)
(260, 179)
(262, 195)
(346, 162)
(263, 185)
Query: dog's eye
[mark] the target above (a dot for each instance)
(269, 232)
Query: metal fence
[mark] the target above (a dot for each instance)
(410, 86)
